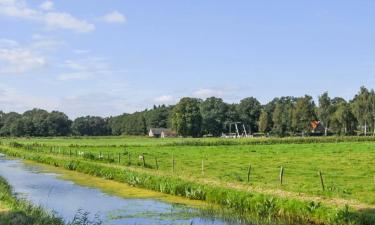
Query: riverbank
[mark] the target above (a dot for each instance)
(247, 203)
(14, 211)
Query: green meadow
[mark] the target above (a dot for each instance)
(243, 165)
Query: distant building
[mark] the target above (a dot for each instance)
(317, 127)
(161, 133)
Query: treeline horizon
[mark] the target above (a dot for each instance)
(283, 116)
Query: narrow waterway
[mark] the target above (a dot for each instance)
(65, 198)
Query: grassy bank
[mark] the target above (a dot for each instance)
(265, 206)
(20, 212)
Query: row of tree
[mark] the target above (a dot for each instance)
(282, 116)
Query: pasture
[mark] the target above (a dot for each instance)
(242, 165)
(346, 166)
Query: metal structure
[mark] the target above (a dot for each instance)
(236, 132)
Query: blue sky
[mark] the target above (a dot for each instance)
(108, 57)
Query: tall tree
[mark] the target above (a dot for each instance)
(58, 124)
(213, 111)
(343, 120)
(325, 111)
(158, 117)
(264, 122)
(362, 108)
(90, 126)
(187, 119)
(303, 114)
(249, 112)
(282, 115)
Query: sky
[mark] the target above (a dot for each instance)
(92, 57)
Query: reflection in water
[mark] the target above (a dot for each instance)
(66, 198)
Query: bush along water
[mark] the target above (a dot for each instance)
(257, 205)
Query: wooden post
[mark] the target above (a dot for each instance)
(173, 163)
(119, 158)
(321, 180)
(249, 173)
(143, 160)
(70, 152)
(129, 159)
(156, 163)
(281, 175)
(202, 167)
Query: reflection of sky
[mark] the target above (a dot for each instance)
(66, 198)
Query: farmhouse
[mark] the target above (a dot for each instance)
(161, 133)
(317, 127)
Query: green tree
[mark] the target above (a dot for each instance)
(249, 112)
(58, 124)
(325, 111)
(343, 120)
(187, 119)
(361, 107)
(282, 115)
(264, 122)
(213, 111)
(90, 126)
(8, 123)
(303, 114)
(158, 117)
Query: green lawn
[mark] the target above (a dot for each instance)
(348, 167)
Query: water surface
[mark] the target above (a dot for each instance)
(64, 197)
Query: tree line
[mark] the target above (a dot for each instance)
(283, 116)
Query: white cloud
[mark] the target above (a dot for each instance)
(67, 21)
(114, 17)
(95, 103)
(16, 58)
(12, 100)
(51, 19)
(207, 92)
(84, 69)
(8, 43)
(47, 5)
(165, 99)
(20, 60)
(74, 76)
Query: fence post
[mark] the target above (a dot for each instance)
(321, 180)
(248, 174)
(281, 175)
(173, 163)
(156, 163)
(119, 158)
(202, 167)
(70, 152)
(143, 160)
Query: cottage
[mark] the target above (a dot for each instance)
(168, 133)
(161, 133)
(317, 127)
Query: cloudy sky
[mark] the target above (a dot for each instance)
(92, 57)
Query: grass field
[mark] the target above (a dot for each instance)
(347, 166)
